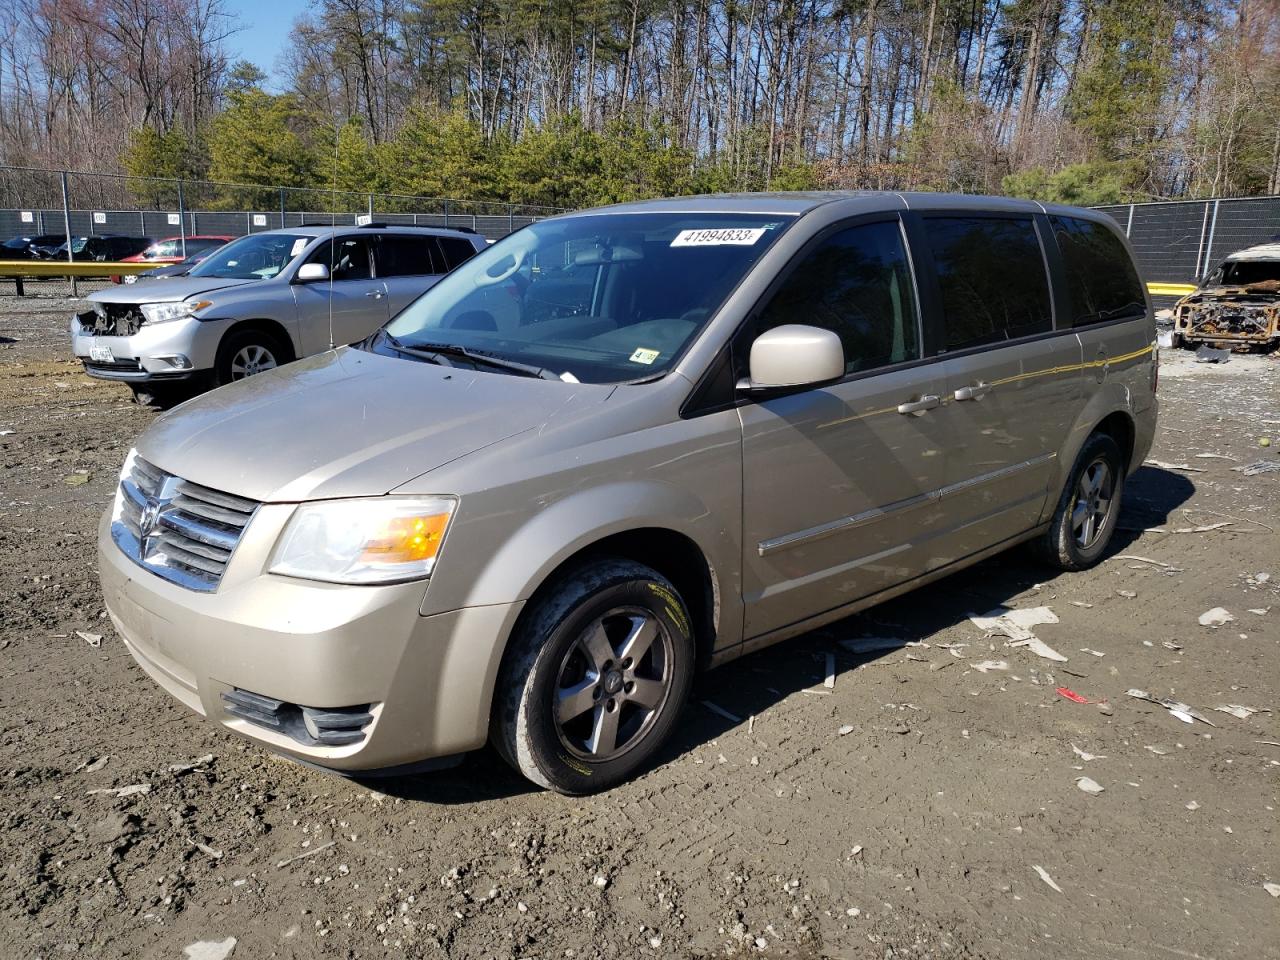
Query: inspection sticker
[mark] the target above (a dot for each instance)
(719, 237)
(645, 355)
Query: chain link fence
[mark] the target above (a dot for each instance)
(55, 202)
(1183, 240)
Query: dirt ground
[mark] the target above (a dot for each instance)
(905, 812)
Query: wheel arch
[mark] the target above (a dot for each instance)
(266, 325)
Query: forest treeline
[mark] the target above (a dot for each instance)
(578, 102)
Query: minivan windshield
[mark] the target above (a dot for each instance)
(600, 298)
(259, 256)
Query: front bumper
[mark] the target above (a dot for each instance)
(428, 680)
(147, 355)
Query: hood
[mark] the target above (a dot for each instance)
(165, 291)
(347, 424)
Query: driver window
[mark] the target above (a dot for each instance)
(856, 283)
(350, 260)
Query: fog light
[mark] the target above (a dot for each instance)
(178, 362)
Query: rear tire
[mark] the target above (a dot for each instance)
(595, 678)
(1088, 508)
(245, 353)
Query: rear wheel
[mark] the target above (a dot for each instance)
(246, 353)
(1088, 509)
(595, 678)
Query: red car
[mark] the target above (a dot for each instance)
(169, 250)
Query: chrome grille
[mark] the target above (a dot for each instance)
(179, 530)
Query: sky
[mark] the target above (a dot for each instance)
(266, 25)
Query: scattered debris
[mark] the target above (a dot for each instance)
(92, 639)
(1044, 875)
(1085, 755)
(1089, 785)
(93, 766)
(829, 681)
(180, 768)
(1183, 467)
(1081, 603)
(1014, 624)
(845, 730)
(76, 479)
(986, 665)
(1127, 594)
(1193, 805)
(1157, 751)
(206, 849)
(1170, 645)
(1216, 456)
(1179, 709)
(121, 792)
(1215, 617)
(1272, 888)
(1074, 697)
(309, 853)
(210, 949)
(1154, 563)
(1240, 712)
(1208, 354)
(1257, 467)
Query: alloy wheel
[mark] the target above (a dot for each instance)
(613, 684)
(1094, 496)
(251, 359)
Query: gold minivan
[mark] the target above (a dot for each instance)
(620, 446)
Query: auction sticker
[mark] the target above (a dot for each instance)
(719, 237)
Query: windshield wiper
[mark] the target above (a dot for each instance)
(436, 352)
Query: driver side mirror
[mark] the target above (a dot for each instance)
(311, 272)
(794, 355)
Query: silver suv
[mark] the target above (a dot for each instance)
(261, 301)
(621, 445)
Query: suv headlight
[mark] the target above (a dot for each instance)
(162, 312)
(373, 540)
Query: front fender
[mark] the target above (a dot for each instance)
(530, 553)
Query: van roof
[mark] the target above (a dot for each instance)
(797, 203)
(1263, 251)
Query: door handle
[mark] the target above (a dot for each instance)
(973, 392)
(927, 402)
(376, 294)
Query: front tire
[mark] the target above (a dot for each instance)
(245, 353)
(595, 678)
(1088, 509)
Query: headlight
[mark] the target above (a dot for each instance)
(375, 540)
(162, 312)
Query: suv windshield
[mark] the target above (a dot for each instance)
(1244, 272)
(257, 257)
(603, 298)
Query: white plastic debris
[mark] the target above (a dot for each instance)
(1272, 888)
(986, 665)
(92, 639)
(120, 792)
(829, 681)
(1193, 805)
(1089, 785)
(1215, 617)
(1238, 711)
(1085, 755)
(198, 762)
(210, 949)
(1044, 875)
(1014, 624)
(1177, 708)
(845, 730)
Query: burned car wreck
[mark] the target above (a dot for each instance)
(1237, 306)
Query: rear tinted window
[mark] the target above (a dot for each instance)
(991, 277)
(456, 250)
(856, 283)
(401, 256)
(1102, 283)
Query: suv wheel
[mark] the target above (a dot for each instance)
(595, 678)
(246, 353)
(1088, 509)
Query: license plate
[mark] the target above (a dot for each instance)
(100, 354)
